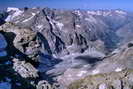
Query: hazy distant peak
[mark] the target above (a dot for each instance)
(106, 12)
(120, 12)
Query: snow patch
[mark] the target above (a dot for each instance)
(60, 25)
(15, 14)
(94, 12)
(26, 20)
(91, 12)
(51, 22)
(33, 14)
(9, 18)
(103, 13)
(12, 9)
(39, 26)
(85, 66)
(118, 69)
(120, 12)
(90, 29)
(116, 51)
(78, 26)
(81, 73)
(78, 13)
(95, 72)
(102, 86)
(70, 46)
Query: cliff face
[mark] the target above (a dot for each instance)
(64, 29)
(65, 45)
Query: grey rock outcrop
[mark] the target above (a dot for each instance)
(26, 70)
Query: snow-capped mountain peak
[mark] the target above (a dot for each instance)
(17, 12)
(12, 9)
(120, 12)
(106, 12)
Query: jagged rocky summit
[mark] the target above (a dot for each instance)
(53, 48)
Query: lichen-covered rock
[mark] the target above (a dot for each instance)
(10, 79)
(26, 70)
(114, 80)
(45, 85)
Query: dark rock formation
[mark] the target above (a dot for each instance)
(3, 16)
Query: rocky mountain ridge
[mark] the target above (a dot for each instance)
(64, 45)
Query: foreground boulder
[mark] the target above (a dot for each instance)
(45, 85)
(22, 42)
(26, 70)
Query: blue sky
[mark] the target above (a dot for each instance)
(70, 4)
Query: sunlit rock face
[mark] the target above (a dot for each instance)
(66, 45)
(26, 70)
